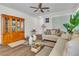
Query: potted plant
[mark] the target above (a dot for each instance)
(73, 22)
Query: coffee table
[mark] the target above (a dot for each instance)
(37, 47)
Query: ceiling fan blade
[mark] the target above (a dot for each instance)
(45, 8)
(40, 5)
(42, 11)
(40, 8)
(34, 7)
(36, 10)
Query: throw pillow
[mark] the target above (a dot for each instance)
(66, 36)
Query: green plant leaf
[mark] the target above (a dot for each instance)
(74, 21)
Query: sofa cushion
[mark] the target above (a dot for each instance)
(50, 37)
(58, 48)
(48, 32)
(53, 31)
(56, 32)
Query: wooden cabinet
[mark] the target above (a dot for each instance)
(13, 29)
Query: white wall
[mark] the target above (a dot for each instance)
(28, 19)
(56, 20)
(39, 22)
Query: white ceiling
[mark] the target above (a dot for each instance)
(54, 7)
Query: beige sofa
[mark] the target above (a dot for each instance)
(58, 48)
(63, 47)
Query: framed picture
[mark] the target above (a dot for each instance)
(46, 20)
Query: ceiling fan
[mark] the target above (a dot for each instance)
(40, 8)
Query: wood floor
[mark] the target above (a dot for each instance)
(22, 50)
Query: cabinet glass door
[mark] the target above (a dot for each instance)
(13, 25)
(18, 25)
(7, 24)
(22, 25)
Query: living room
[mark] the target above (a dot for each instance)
(44, 20)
